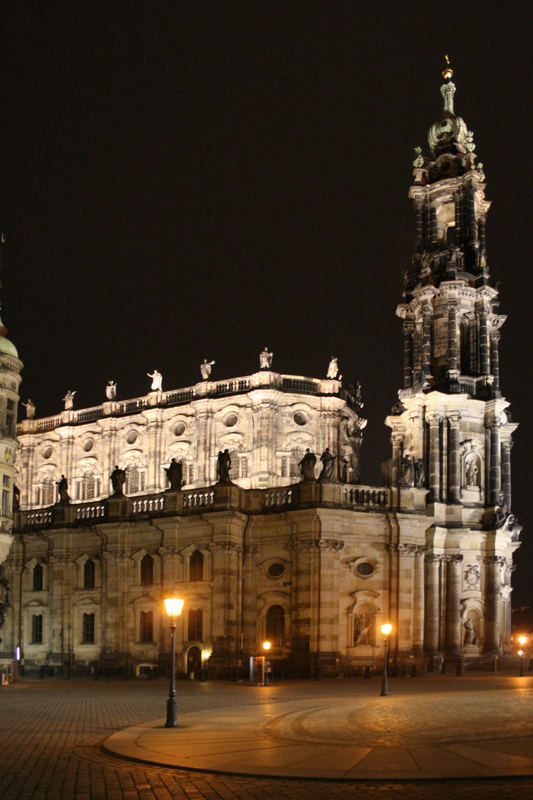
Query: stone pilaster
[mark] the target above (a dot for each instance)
(432, 604)
(495, 465)
(493, 601)
(454, 477)
(452, 336)
(506, 472)
(406, 609)
(495, 359)
(426, 340)
(407, 354)
(418, 601)
(453, 604)
(484, 353)
(397, 444)
(434, 456)
(328, 641)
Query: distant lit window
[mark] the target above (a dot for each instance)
(88, 486)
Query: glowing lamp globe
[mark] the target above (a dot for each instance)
(522, 640)
(386, 628)
(173, 606)
(267, 645)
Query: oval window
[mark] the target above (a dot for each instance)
(179, 428)
(47, 452)
(88, 445)
(230, 420)
(365, 568)
(299, 418)
(131, 437)
(275, 570)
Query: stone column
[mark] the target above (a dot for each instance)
(328, 613)
(506, 472)
(495, 359)
(453, 606)
(495, 465)
(493, 602)
(419, 225)
(454, 478)
(432, 605)
(426, 340)
(405, 593)
(484, 353)
(397, 442)
(458, 219)
(407, 354)
(452, 335)
(434, 456)
(418, 601)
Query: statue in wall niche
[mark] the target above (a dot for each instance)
(206, 368)
(407, 471)
(69, 400)
(328, 461)
(175, 475)
(472, 473)
(62, 489)
(333, 369)
(265, 359)
(111, 390)
(471, 635)
(362, 629)
(157, 380)
(223, 466)
(307, 466)
(30, 408)
(118, 479)
(420, 474)
(343, 469)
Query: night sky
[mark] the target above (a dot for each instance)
(198, 180)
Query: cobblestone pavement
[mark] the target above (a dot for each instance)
(52, 732)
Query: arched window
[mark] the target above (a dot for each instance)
(275, 626)
(195, 627)
(87, 631)
(89, 574)
(147, 570)
(146, 626)
(49, 492)
(37, 629)
(88, 490)
(296, 456)
(196, 566)
(132, 480)
(37, 578)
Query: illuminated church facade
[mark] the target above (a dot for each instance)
(244, 496)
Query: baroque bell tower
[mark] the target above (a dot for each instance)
(451, 427)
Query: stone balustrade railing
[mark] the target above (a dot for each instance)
(118, 408)
(213, 498)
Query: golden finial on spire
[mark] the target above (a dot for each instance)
(447, 72)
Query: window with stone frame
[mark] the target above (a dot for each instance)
(195, 625)
(88, 629)
(147, 570)
(296, 456)
(191, 473)
(89, 486)
(37, 629)
(146, 626)
(89, 574)
(135, 479)
(48, 493)
(38, 578)
(196, 566)
(284, 466)
(244, 466)
(275, 626)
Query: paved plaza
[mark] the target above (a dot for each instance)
(467, 728)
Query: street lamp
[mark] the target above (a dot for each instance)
(522, 641)
(266, 647)
(173, 607)
(386, 629)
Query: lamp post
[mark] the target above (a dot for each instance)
(266, 647)
(173, 607)
(522, 641)
(386, 629)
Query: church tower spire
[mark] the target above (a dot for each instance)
(451, 429)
